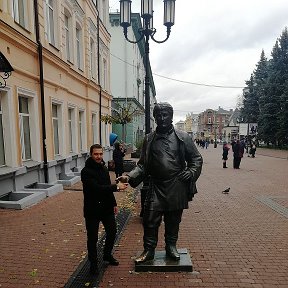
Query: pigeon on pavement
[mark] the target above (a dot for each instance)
(226, 191)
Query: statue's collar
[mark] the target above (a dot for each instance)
(164, 131)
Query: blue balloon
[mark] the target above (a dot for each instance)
(112, 138)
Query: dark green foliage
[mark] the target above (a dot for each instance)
(265, 99)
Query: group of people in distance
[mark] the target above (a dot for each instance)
(238, 148)
(170, 162)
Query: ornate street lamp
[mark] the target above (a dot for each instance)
(5, 67)
(145, 33)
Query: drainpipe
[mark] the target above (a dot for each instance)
(43, 116)
(99, 77)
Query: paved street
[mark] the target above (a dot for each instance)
(235, 240)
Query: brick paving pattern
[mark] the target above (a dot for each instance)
(235, 240)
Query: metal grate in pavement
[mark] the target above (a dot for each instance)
(268, 201)
(81, 276)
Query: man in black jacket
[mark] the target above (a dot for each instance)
(99, 205)
(172, 163)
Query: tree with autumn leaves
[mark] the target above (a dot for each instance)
(122, 114)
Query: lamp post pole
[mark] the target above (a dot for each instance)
(146, 33)
(147, 83)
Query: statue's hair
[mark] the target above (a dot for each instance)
(163, 106)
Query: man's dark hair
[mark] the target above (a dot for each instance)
(95, 146)
(163, 106)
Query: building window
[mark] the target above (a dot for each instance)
(105, 74)
(104, 133)
(2, 150)
(68, 35)
(24, 119)
(79, 47)
(209, 120)
(56, 126)
(81, 131)
(19, 12)
(50, 18)
(71, 128)
(94, 128)
(92, 59)
(104, 12)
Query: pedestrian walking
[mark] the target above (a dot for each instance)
(238, 151)
(118, 155)
(99, 206)
(252, 150)
(225, 154)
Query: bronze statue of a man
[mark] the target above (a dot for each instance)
(172, 163)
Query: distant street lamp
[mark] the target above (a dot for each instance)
(5, 67)
(146, 32)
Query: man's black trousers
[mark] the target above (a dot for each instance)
(92, 227)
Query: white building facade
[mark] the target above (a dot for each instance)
(127, 75)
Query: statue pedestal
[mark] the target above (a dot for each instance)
(161, 263)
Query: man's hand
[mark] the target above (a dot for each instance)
(122, 179)
(185, 175)
(122, 186)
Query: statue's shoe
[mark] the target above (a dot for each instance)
(146, 255)
(171, 252)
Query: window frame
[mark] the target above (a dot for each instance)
(79, 46)
(68, 28)
(105, 133)
(23, 142)
(105, 71)
(104, 12)
(55, 122)
(50, 23)
(82, 130)
(59, 118)
(95, 130)
(51, 27)
(71, 131)
(9, 109)
(92, 58)
(16, 15)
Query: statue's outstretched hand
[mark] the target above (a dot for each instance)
(185, 175)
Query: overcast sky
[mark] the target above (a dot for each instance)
(213, 42)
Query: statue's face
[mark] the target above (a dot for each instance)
(163, 118)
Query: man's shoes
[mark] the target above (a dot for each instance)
(172, 252)
(146, 255)
(111, 260)
(93, 269)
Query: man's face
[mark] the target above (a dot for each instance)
(163, 118)
(97, 155)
